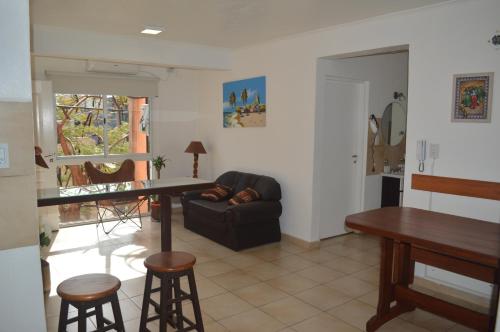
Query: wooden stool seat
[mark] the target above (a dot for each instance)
(170, 261)
(88, 287)
(88, 293)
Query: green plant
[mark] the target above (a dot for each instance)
(44, 239)
(159, 162)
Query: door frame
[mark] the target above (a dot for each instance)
(361, 145)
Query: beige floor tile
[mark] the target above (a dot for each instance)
(398, 325)
(323, 297)
(366, 257)
(427, 320)
(354, 313)
(241, 260)
(269, 252)
(293, 262)
(342, 250)
(214, 327)
(213, 268)
(346, 265)
(320, 274)
(128, 308)
(292, 283)
(370, 275)
(323, 323)
(225, 305)
(370, 298)
(351, 286)
(206, 288)
(291, 248)
(318, 255)
(341, 239)
(234, 280)
(266, 271)
(289, 310)
(133, 287)
(251, 321)
(460, 328)
(260, 294)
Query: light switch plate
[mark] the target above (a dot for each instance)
(4, 155)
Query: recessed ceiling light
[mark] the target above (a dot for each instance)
(149, 30)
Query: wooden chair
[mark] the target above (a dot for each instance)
(116, 207)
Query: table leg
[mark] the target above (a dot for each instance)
(386, 285)
(166, 222)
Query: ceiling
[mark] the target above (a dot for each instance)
(225, 23)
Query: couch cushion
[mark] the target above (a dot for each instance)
(245, 196)
(211, 210)
(219, 193)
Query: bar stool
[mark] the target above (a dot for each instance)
(90, 291)
(170, 267)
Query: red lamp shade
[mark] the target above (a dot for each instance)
(195, 147)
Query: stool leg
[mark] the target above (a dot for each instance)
(99, 316)
(196, 301)
(82, 319)
(63, 316)
(117, 313)
(145, 301)
(165, 290)
(178, 305)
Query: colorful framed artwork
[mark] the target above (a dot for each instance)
(244, 103)
(472, 97)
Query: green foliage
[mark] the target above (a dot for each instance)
(159, 162)
(83, 124)
(44, 240)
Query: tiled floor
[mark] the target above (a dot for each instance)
(278, 287)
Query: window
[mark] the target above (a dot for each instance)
(102, 125)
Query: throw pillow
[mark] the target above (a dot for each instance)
(216, 194)
(244, 196)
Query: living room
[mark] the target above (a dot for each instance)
(191, 69)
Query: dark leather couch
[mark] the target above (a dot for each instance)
(237, 226)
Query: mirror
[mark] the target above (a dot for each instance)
(393, 124)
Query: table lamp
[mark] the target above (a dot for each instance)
(195, 147)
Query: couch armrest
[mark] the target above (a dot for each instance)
(255, 211)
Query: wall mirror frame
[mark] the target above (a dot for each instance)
(393, 124)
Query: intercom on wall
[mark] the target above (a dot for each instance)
(421, 153)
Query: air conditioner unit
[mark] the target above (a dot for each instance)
(112, 67)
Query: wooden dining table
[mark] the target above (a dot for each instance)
(461, 245)
(164, 188)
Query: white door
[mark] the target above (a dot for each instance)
(340, 154)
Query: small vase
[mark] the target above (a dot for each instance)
(45, 275)
(158, 174)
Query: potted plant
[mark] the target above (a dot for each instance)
(158, 162)
(45, 242)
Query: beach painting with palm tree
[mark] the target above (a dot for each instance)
(244, 103)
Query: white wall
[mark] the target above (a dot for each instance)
(78, 44)
(15, 84)
(385, 74)
(440, 45)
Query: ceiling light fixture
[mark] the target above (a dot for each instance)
(150, 30)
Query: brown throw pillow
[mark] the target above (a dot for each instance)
(244, 196)
(216, 194)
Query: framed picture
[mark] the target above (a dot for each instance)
(472, 94)
(244, 103)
